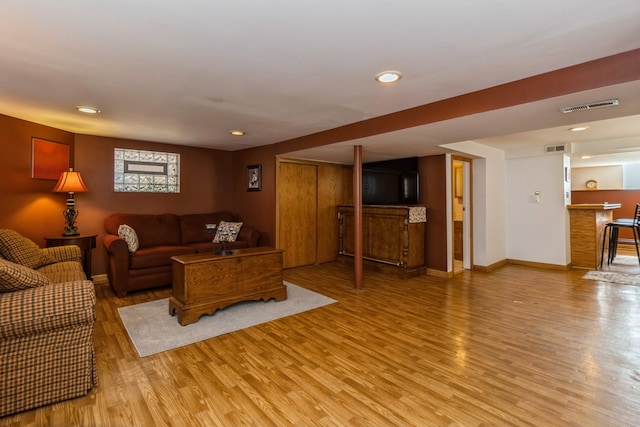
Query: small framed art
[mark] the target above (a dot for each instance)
(254, 178)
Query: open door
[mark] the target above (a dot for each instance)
(461, 213)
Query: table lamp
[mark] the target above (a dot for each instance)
(70, 182)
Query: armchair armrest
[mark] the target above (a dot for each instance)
(64, 253)
(38, 310)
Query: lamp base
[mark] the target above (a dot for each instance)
(224, 252)
(70, 215)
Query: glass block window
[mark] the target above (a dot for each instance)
(138, 171)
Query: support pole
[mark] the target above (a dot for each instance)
(357, 216)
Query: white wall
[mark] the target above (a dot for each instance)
(631, 176)
(489, 201)
(508, 222)
(538, 231)
(608, 177)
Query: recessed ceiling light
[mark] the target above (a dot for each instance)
(579, 128)
(87, 110)
(585, 157)
(237, 133)
(388, 76)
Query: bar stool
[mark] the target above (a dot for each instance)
(611, 231)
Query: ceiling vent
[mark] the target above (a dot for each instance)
(591, 106)
(560, 148)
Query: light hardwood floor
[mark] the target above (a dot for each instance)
(517, 346)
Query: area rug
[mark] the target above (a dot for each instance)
(614, 277)
(152, 330)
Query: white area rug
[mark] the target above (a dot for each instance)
(152, 330)
(613, 277)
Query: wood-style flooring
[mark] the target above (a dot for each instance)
(517, 346)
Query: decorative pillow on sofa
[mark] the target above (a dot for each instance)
(227, 232)
(15, 277)
(20, 250)
(129, 235)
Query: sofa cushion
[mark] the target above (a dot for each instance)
(213, 247)
(15, 277)
(20, 250)
(158, 256)
(227, 231)
(192, 226)
(129, 235)
(152, 230)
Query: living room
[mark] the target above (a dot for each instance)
(215, 179)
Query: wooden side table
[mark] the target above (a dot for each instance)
(86, 243)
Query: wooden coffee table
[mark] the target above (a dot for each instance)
(206, 282)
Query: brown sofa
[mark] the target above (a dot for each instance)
(161, 237)
(47, 321)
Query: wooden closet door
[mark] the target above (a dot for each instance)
(334, 188)
(297, 204)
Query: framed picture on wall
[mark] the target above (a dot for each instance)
(254, 178)
(48, 159)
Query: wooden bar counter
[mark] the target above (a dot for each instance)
(587, 223)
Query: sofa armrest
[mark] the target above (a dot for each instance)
(38, 310)
(250, 235)
(117, 247)
(118, 263)
(64, 253)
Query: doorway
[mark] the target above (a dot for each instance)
(461, 214)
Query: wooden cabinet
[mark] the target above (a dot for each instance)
(390, 234)
(458, 240)
(206, 282)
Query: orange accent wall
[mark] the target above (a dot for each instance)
(205, 185)
(30, 207)
(258, 207)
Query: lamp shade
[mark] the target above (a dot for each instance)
(70, 182)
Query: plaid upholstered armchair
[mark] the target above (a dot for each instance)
(47, 319)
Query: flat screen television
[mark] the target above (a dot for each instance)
(392, 182)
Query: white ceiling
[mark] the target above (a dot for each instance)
(187, 73)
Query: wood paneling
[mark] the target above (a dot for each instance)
(308, 196)
(334, 188)
(297, 203)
